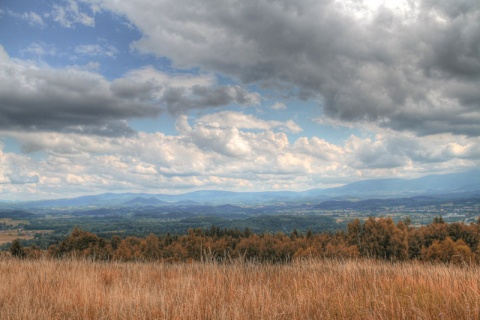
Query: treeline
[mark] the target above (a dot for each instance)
(136, 226)
(377, 238)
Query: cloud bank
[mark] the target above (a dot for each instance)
(211, 155)
(407, 65)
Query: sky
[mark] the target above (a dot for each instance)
(172, 96)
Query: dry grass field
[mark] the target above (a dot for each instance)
(310, 289)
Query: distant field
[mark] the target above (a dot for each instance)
(311, 289)
(10, 235)
(11, 222)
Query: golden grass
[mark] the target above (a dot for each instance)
(312, 289)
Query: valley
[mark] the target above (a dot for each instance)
(42, 223)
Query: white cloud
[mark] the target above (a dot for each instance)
(94, 50)
(33, 18)
(206, 155)
(40, 49)
(69, 14)
(319, 148)
(244, 121)
(278, 106)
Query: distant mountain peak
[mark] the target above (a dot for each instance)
(143, 201)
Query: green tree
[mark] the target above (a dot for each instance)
(381, 238)
(438, 220)
(354, 233)
(78, 240)
(151, 248)
(115, 242)
(17, 249)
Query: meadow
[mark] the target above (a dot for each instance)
(303, 289)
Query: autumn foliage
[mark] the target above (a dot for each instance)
(377, 238)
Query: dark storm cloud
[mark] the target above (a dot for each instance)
(396, 73)
(129, 89)
(67, 100)
(394, 65)
(34, 98)
(179, 100)
(452, 45)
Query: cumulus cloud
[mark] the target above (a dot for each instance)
(245, 121)
(16, 170)
(206, 155)
(36, 97)
(406, 152)
(319, 148)
(409, 66)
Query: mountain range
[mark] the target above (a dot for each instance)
(452, 185)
